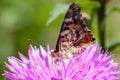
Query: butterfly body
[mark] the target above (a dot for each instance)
(74, 35)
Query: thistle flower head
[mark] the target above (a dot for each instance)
(89, 65)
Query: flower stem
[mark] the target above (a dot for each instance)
(101, 24)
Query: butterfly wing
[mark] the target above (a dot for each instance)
(73, 32)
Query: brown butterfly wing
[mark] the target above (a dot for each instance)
(73, 32)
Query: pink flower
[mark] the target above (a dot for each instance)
(89, 65)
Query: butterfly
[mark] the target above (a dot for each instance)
(74, 34)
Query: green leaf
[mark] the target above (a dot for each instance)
(59, 9)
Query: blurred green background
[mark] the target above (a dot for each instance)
(37, 22)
